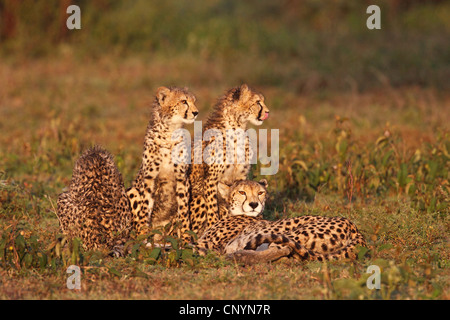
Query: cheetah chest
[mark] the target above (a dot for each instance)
(166, 179)
(164, 196)
(166, 170)
(231, 173)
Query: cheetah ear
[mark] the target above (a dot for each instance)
(161, 93)
(223, 189)
(237, 94)
(263, 182)
(240, 92)
(244, 87)
(245, 92)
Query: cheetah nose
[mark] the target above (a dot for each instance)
(253, 205)
(195, 113)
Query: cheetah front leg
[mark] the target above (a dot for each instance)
(135, 204)
(243, 245)
(141, 195)
(212, 205)
(148, 202)
(247, 248)
(182, 196)
(273, 253)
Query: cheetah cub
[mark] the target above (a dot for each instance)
(159, 193)
(229, 120)
(247, 238)
(95, 208)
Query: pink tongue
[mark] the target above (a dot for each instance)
(266, 115)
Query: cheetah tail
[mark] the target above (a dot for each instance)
(350, 251)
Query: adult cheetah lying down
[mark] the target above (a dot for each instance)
(247, 238)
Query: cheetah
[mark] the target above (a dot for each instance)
(95, 207)
(229, 118)
(249, 202)
(159, 193)
(244, 236)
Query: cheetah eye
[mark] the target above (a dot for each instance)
(242, 192)
(260, 193)
(184, 101)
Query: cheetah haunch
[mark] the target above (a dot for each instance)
(95, 208)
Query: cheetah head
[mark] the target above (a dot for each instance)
(247, 105)
(176, 105)
(245, 197)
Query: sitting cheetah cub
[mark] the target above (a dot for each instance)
(159, 194)
(242, 232)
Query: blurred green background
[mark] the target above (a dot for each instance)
(300, 45)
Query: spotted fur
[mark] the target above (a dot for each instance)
(242, 237)
(160, 192)
(230, 117)
(95, 208)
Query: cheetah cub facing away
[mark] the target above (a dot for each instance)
(242, 234)
(95, 208)
(229, 120)
(159, 193)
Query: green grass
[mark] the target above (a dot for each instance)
(362, 118)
